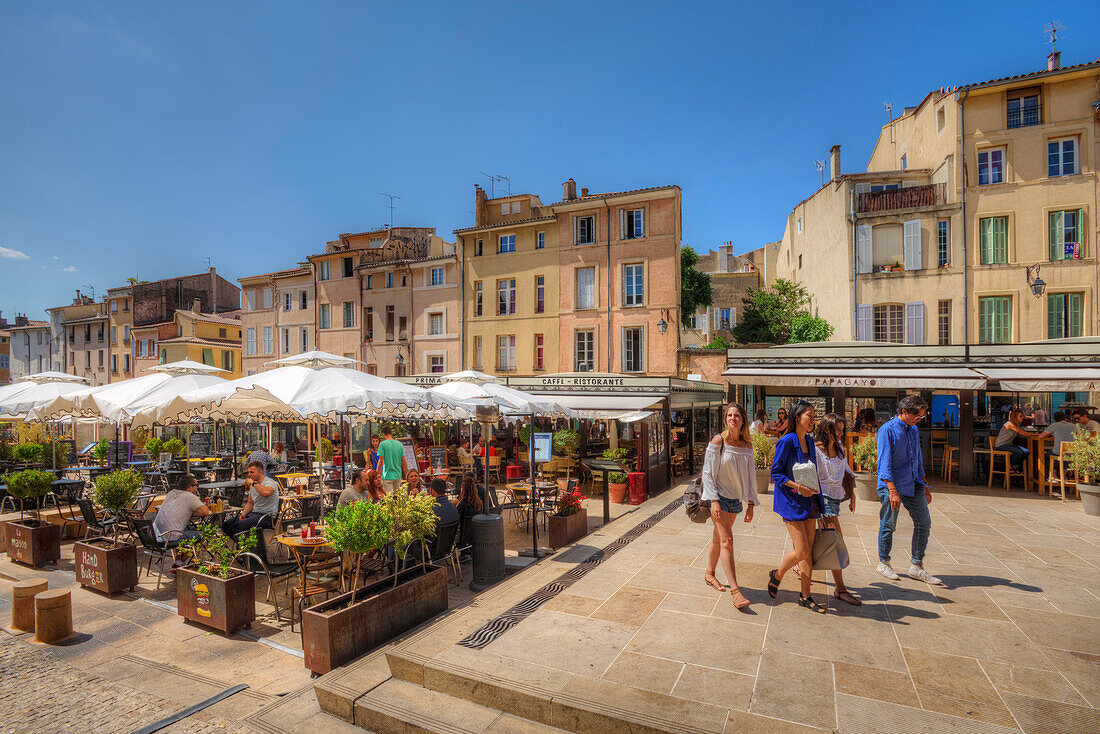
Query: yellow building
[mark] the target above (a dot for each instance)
(120, 320)
(206, 338)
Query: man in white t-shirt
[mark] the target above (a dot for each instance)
(1081, 418)
(175, 513)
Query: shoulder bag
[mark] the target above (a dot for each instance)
(829, 551)
(698, 510)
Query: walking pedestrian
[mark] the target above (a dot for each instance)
(729, 481)
(901, 482)
(833, 473)
(798, 504)
(393, 460)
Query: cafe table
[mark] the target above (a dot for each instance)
(294, 479)
(303, 550)
(1038, 457)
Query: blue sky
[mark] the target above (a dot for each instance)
(138, 139)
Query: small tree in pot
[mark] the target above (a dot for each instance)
(567, 441)
(763, 453)
(358, 528)
(103, 563)
(153, 447)
(1084, 457)
(865, 458)
(32, 541)
(411, 520)
(212, 592)
(100, 451)
(175, 446)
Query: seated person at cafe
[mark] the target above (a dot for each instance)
(479, 451)
(414, 480)
(1081, 418)
(175, 513)
(264, 458)
(758, 425)
(1006, 438)
(262, 505)
(278, 452)
(1061, 430)
(469, 504)
(780, 422)
(464, 450)
(366, 484)
(445, 511)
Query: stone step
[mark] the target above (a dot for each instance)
(401, 706)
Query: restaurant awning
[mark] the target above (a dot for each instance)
(951, 378)
(603, 407)
(1044, 379)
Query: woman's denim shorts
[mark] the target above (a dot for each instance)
(830, 507)
(727, 505)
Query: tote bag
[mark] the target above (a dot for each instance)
(829, 552)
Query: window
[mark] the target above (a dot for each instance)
(995, 320)
(389, 280)
(403, 281)
(114, 362)
(402, 330)
(632, 349)
(799, 261)
(286, 341)
(249, 300)
(633, 224)
(800, 225)
(994, 240)
(1065, 234)
(1023, 111)
(586, 288)
(322, 270)
(517, 206)
(437, 276)
(1061, 160)
(305, 302)
(114, 335)
(904, 162)
(435, 324)
(399, 370)
(507, 243)
(125, 305)
(945, 323)
(114, 309)
(370, 282)
(889, 323)
(227, 360)
(539, 349)
(435, 364)
(87, 333)
(540, 240)
(633, 284)
(478, 245)
(222, 333)
(477, 352)
(269, 347)
(584, 350)
(208, 357)
(286, 301)
(372, 369)
(125, 362)
(389, 323)
(305, 339)
(943, 244)
(941, 119)
(1064, 312)
(506, 297)
(87, 360)
(349, 314)
(506, 353)
(584, 230)
(249, 348)
(724, 320)
(267, 298)
(505, 207)
(477, 298)
(540, 293)
(991, 168)
(349, 267)
(914, 322)
(324, 317)
(101, 332)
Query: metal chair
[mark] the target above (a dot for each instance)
(257, 562)
(154, 548)
(101, 522)
(443, 548)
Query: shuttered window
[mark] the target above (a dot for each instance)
(1065, 234)
(995, 320)
(863, 248)
(889, 323)
(994, 240)
(1064, 311)
(913, 255)
(864, 317)
(914, 322)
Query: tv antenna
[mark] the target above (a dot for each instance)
(392, 197)
(889, 110)
(1051, 29)
(821, 169)
(493, 181)
(91, 289)
(207, 261)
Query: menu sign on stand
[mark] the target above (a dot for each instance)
(410, 453)
(438, 457)
(200, 445)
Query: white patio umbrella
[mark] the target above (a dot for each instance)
(470, 376)
(514, 404)
(18, 399)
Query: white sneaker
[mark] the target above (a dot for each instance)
(885, 570)
(918, 573)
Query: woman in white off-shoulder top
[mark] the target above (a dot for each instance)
(729, 482)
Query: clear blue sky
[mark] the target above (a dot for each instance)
(140, 138)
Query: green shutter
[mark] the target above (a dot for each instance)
(1081, 231)
(1074, 309)
(986, 241)
(985, 321)
(1054, 312)
(1057, 235)
(1002, 330)
(1000, 240)
(208, 357)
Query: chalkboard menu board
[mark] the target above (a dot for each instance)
(200, 445)
(438, 456)
(410, 454)
(122, 450)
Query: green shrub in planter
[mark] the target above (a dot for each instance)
(153, 447)
(211, 551)
(100, 450)
(763, 450)
(617, 478)
(28, 453)
(29, 484)
(411, 519)
(615, 454)
(117, 491)
(1084, 455)
(567, 441)
(865, 454)
(176, 446)
(358, 528)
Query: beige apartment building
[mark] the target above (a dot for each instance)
(277, 316)
(962, 193)
(120, 322)
(731, 277)
(84, 343)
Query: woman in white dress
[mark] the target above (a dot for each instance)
(729, 482)
(832, 466)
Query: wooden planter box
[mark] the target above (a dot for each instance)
(568, 529)
(102, 566)
(335, 632)
(34, 542)
(221, 604)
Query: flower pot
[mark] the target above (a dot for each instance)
(617, 492)
(567, 529)
(763, 480)
(105, 567)
(867, 486)
(221, 604)
(342, 628)
(1090, 497)
(34, 542)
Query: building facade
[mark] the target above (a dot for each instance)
(120, 321)
(212, 339)
(731, 277)
(277, 316)
(30, 347)
(82, 327)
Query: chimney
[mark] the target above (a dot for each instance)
(569, 190)
(584, 192)
(481, 207)
(1054, 60)
(834, 161)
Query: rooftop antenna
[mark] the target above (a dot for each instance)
(1051, 29)
(91, 289)
(207, 261)
(392, 197)
(493, 181)
(821, 169)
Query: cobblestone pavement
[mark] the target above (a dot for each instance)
(41, 694)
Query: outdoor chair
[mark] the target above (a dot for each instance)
(937, 437)
(1059, 470)
(257, 562)
(1006, 461)
(101, 522)
(519, 501)
(494, 467)
(443, 549)
(154, 548)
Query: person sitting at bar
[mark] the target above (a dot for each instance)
(1061, 430)
(175, 513)
(780, 422)
(1006, 439)
(262, 506)
(1081, 418)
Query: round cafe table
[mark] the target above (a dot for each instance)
(303, 550)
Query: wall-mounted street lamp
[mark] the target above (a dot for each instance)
(662, 325)
(1038, 286)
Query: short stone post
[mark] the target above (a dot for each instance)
(22, 603)
(53, 615)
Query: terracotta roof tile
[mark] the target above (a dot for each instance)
(1033, 74)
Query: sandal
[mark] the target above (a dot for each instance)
(739, 600)
(847, 598)
(713, 582)
(773, 583)
(809, 603)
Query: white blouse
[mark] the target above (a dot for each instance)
(729, 471)
(830, 474)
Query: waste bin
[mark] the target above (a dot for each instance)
(636, 484)
(488, 542)
(513, 472)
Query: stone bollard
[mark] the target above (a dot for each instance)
(22, 603)
(53, 615)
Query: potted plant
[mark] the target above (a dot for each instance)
(616, 455)
(153, 447)
(569, 521)
(31, 540)
(616, 486)
(175, 446)
(344, 627)
(28, 453)
(104, 563)
(865, 459)
(763, 452)
(99, 453)
(1084, 457)
(211, 591)
(524, 434)
(324, 451)
(567, 441)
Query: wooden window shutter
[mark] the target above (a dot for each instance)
(912, 246)
(914, 322)
(863, 248)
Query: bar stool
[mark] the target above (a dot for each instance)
(1059, 479)
(948, 461)
(1006, 458)
(938, 437)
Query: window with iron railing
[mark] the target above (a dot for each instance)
(1024, 111)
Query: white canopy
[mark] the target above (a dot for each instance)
(1044, 379)
(15, 405)
(471, 376)
(315, 359)
(119, 402)
(951, 378)
(296, 391)
(604, 407)
(510, 400)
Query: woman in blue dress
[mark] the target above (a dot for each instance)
(797, 504)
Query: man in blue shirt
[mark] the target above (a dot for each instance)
(901, 482)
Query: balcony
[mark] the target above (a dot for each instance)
(910, 197)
